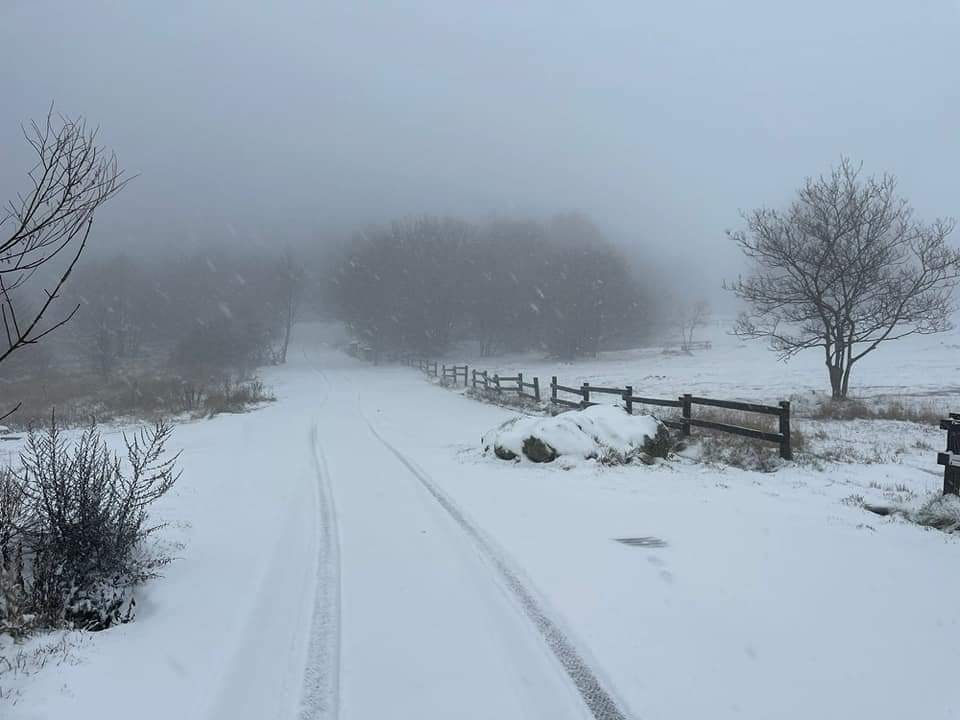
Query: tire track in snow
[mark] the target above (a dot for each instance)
(320, 696)
(598, 700)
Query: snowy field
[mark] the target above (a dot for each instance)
(348, 551)
(918, 368)
(921, 374)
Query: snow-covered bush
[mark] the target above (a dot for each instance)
(601, 432)
(73, 526)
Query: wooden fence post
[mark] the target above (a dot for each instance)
(519, 384)
(585, 391)
(536, 389)
(951, 471)
(553, 388)
(465, 369)
(686, 407)
(628, 399)
(786, 451)
(496, 383)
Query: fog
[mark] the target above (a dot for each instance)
(305, 120)
(440, 359)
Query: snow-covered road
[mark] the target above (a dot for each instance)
(325, 576)
(348, 554)
(435, 623)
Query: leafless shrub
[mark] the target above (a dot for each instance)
(691, 315)
(235, 397)
(78, 518)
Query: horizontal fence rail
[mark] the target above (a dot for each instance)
(782, 411)
(733, 405)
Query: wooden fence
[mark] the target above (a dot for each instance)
(951, 458)
(686, 404)
(450, 375)
(427, 366)
(481, 380)
(530, 389)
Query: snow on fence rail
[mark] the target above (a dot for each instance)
(951, 458)
(481, 379)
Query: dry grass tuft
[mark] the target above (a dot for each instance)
(925, 413)
(146, 394)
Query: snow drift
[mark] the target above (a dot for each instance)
(603, 432)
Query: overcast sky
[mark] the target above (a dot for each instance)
(661, 120)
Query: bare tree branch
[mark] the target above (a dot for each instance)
(72, 178)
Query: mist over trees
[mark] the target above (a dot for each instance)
(164, 327)
(201, 313)
(508, 284)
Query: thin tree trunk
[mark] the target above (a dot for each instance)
(836, 381)
(846, 379)
(287, 330)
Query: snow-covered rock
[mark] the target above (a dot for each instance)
(599, 431)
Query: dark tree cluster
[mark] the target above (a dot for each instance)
(420, 285)
(199, 314)
(157, 335)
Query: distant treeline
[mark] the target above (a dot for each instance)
(420, 285)
(417, 285)
(202, 315)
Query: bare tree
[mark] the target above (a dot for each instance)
(72, 177)
(845, 268)
(690, 317)
(292, 280)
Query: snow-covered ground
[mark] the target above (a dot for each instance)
(919, 373)
(350, 552)
(920, 368)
